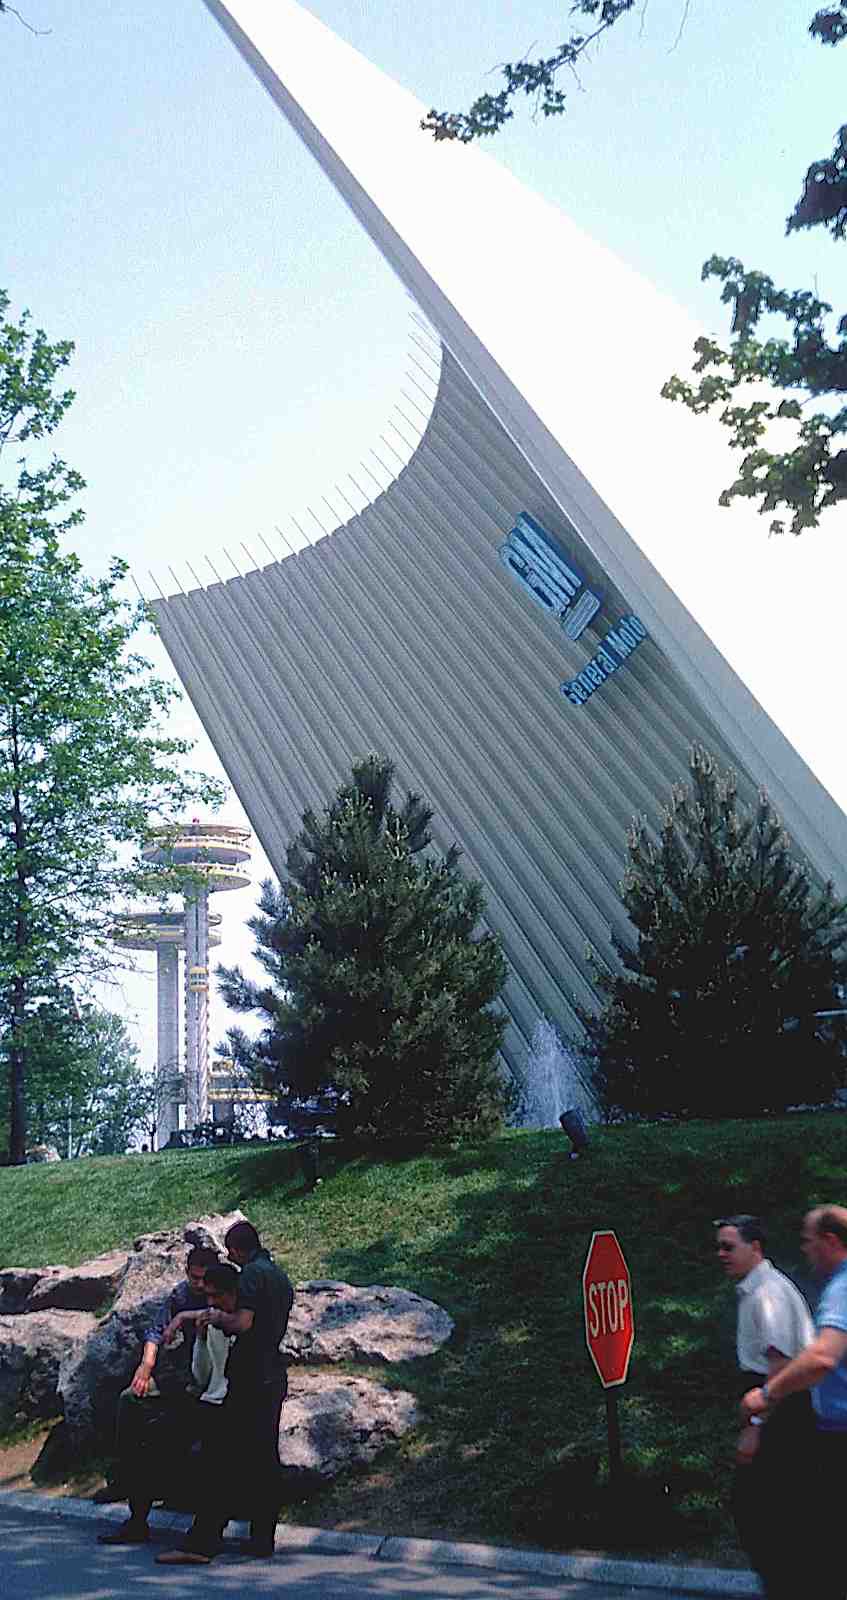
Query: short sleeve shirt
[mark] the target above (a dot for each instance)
(772, 1315)
(829, 1397)
(266, 1290)
(182, 1298)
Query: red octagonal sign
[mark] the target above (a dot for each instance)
(607, 1297)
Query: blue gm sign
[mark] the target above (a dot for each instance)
(618, 644)
(547, 574)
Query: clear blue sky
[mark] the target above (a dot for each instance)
(239, 343)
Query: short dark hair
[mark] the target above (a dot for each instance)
(202, 1256)
(242, 1236)
(222, 1277)
(749, 1228)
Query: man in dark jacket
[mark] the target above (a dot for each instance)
(143, 1405)
(256, 1387)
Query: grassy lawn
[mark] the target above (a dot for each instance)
(513, 1443)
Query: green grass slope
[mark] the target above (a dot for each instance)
(513, 1440)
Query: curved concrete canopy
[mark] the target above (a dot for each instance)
(403, 631)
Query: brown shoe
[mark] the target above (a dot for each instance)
(128, 1533)
(182, 1558)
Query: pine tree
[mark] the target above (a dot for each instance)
(714, 1009)
(382, 988)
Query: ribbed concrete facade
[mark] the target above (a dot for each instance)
(403, 632)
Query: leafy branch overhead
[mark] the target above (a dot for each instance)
(800, 369)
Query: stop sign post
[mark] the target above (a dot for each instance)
(609, 1326)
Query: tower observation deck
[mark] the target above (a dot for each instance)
(213, 856)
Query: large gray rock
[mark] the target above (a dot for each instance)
(82, 1288)
(106, 1363)
(35, 1351)
(332, 1422)
(333, 1321)
(17, 1284)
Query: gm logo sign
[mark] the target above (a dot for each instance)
(548, 575)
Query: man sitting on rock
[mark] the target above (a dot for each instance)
(248, 1465)
(143, 1406)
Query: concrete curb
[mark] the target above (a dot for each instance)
(429, 1552)
(587, 1568)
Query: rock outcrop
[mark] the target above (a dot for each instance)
(106, 1362)
(331, 1422)
(35, 1353)
(82, 1288)
(334, 1321)
(57, 1357)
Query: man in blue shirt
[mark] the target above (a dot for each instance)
(257, 1383)
(142, 1406)
(822, 1368)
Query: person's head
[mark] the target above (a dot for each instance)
(222, 1286)
(824, 1238)
(241, 1241)
(199, 1259)
(741, 1243)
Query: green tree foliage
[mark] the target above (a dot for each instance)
(85, 1093)
(381, 986)
(84, 765)
(712, 1012)
(806, 363)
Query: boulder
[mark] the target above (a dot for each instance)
(54, 1359)
(82, 1288)
(91, 1383)
(332, 1422)
(17, 1284)
(333, 1321)
(35, 1351)
(155, 1257)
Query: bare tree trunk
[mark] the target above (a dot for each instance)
(17, 1019)
(17, 1078)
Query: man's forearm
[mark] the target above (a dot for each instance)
(804, 1372)
(232, 1321)
(149, 1355)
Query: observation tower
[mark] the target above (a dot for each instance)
(213, 857)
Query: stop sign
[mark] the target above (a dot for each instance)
(607, 1298)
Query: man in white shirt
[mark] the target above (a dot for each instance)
(773, 1326)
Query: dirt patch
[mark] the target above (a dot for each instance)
(19, 1456)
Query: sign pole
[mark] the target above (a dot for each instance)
(609, 1329)
(613, 1429)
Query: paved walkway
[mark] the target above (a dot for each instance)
(51, 1555)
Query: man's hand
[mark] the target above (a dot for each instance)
(748, 1444)
(141, 1381)
(173, 1328)
(753, 1404)
(207, 1319)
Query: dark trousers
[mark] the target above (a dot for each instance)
(139, 1440)
(769, 1495)
(823, 1534)
(240, 1465)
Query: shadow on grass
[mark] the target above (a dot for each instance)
(514, 1445)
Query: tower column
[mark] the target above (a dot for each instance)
(167, 1063)
(196, 1007)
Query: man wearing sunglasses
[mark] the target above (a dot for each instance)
(817, 1512)
(773, 1325)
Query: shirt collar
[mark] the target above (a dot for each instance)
(754, 1278)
